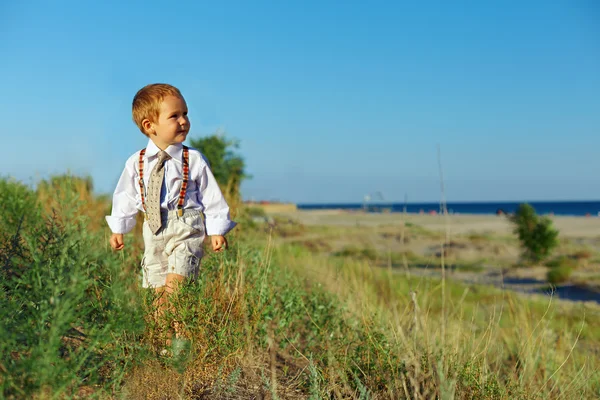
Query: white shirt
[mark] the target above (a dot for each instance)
(203, 192)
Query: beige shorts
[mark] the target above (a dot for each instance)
(175, 249)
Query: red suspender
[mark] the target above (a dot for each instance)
(186, 175)
(141, 181)
(184, 183)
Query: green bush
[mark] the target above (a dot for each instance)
(69, 318)
(19, 205)
(559, 274)
(537, 236)
(256, 212)
(359, 254)
(562, 261)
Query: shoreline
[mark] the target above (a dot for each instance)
(584, 209)
(434, 213)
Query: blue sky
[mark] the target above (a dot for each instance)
(330, 100)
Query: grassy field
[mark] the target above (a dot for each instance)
(290, 311)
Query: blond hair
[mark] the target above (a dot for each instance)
(147, 101)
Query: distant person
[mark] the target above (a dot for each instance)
(175, 189)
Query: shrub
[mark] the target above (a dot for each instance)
(256, 212)
(559, 274)
(562, 261)
(69, 319)
(360, 254)
(582, 255)
(537, 236)
(19, 206)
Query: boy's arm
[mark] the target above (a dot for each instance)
(216, 211)
(124, 210)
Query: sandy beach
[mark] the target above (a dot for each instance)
(582, 227)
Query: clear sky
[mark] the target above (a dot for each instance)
(331, 100)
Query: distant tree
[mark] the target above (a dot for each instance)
(226, 164)
(537, 236)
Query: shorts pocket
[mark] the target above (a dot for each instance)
(194, 222)
(186, 264)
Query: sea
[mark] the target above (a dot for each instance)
(573, 208)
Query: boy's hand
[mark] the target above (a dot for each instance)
(116, 241)
(219, 243)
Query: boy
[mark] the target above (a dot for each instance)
(175, 188)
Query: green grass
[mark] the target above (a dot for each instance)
(420, 231)
(267, 320)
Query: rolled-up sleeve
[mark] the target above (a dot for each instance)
(216, 210)
(124, 210)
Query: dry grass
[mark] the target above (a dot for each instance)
(498, 339)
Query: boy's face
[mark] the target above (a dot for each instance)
(172, 125)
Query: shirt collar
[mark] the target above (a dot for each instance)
(174, 150)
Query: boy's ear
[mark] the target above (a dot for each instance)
(148, 126)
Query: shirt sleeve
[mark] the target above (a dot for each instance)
(216, 210)
(124, 210)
